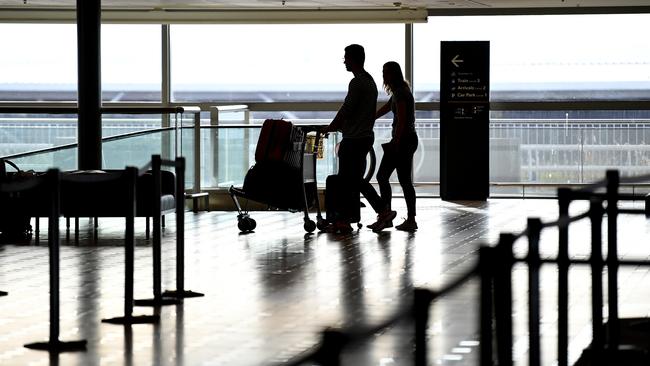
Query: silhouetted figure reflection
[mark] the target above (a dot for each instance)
(54, 359)
(352, 296)
(157, 353)
(353, 301)
(128, 345)
(180, 335)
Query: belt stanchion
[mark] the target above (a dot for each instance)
(180, 291)
(486, 271)
(534, 344)
(596, 212)
(53, 182)
(129, 318)
(158, 299)
(613, 328)
(614, 347)
(503, 299)
(421, 302)
(564, 200)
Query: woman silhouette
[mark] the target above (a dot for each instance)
(398, 153)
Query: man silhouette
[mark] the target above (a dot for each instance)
(355, 119)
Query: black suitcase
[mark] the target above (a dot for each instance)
(332, 189)
(276, 184)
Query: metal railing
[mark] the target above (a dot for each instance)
(177, 111)
(529, 155)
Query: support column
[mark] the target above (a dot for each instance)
(408, 54)
(165, 97)
(89, 90)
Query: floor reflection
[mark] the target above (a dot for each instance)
(269, 293)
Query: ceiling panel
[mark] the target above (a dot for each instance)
(335, 4)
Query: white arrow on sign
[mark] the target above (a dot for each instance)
(455, 60)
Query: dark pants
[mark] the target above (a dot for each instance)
(402, 161)
(352, 165)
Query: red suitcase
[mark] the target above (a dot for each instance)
(274, 141)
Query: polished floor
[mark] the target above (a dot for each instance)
(270, 292)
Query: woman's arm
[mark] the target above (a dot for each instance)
(383, 110)
(401, 121)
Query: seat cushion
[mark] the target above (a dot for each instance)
(108, 198)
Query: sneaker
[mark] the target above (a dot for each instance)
(339, 227)
(388, 216)
(385, 220)
(327, 228)
(378, 222)
(407, 225)
(343, 228)
(372, 226)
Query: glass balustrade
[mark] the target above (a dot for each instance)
(528, 156)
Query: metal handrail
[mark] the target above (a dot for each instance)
(69, 109)
(74, 144)
(148, 109)
(65, 108)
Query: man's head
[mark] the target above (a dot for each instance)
(354, 57)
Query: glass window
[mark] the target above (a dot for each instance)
(38, 63)
(550, 57)
(43, 62)
(275, 63)
(131, 62)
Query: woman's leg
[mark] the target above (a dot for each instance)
(404, 172)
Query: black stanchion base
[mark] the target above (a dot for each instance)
(58, 346)
(623, 355)
(181, 294)
(641, 325)
(633, 348)
(137, 319)
(2, 293)
(156, 302)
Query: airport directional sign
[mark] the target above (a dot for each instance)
(464, 120)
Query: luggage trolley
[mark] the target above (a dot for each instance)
(284, 173)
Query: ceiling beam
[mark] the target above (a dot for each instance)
(182, 16)
(563, 10)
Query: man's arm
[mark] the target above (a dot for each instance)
(336, 123)
(354, 92)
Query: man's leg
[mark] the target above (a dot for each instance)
(352, 156)
(386, 168)
(369, 192)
